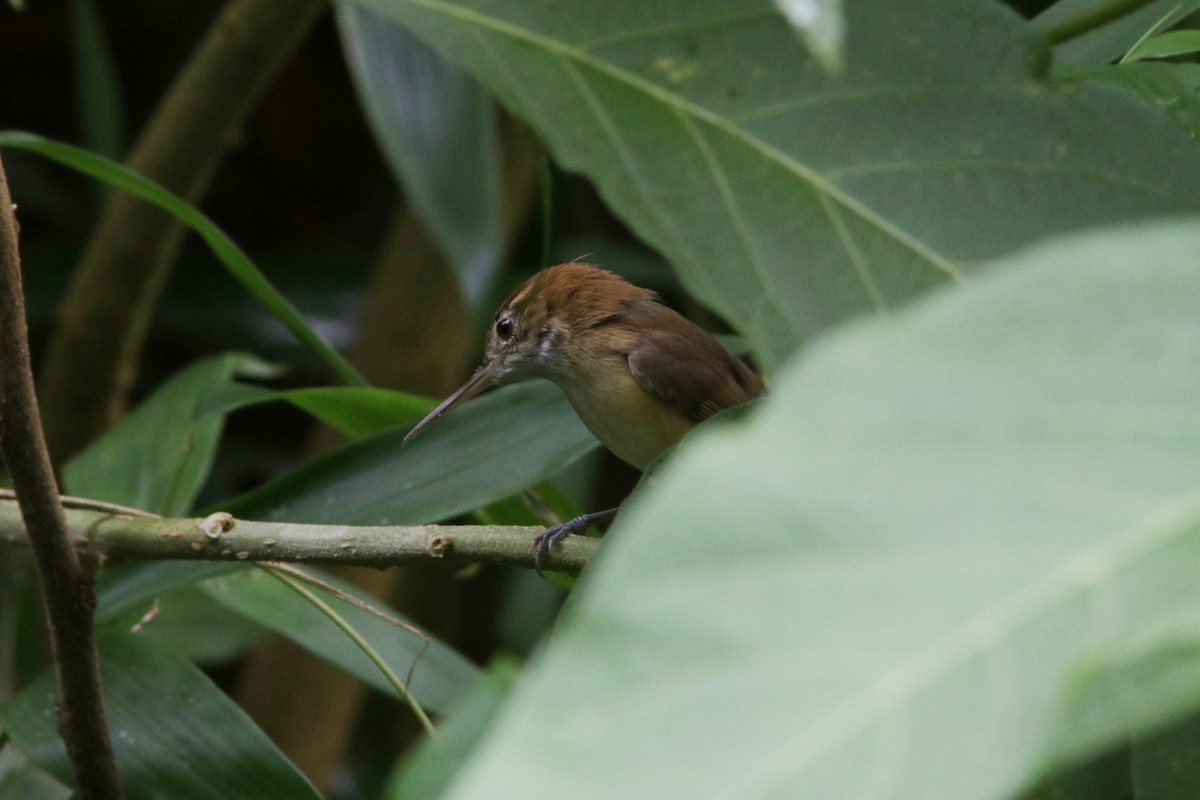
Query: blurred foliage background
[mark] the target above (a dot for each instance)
(395, 219)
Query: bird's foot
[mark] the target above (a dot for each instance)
(552, 536)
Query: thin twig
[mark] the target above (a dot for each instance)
(87, 503)
(66, 590)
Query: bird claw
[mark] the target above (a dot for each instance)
(547, 539)
(552, 536)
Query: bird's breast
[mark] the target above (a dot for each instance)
(627, 420)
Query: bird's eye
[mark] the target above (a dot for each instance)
(504, 327)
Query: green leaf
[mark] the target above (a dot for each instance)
(427, 773)
(1093, 32)
(226, 251)
(788, 198)
(292, 580)
(1175, 88)
(954, 550)
(1105, 778)
(1167, 766)
(190, 624)
(22, 780)
(158, 457)
(439, 674)
(174, 733)
(132, 588)
(1171, 43)
(357, 411)
(353, 411)
(489, 449)
(101, 105)
(438, 130)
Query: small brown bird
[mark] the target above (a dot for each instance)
(638, 374)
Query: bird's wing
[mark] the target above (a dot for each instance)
(684, 366)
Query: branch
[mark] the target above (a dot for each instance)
(66, 590)
(92, 356)
(222, 538)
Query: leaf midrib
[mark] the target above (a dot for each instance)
(679, 105)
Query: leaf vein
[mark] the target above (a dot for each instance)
(614, 136)
(729, 200)
(572, 54)
(628, 36)
(855, 255)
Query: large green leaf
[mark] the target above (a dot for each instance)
(438, 130)
(953, 550)
(158, 457)
(439, 674)
(174, 733)
(489, 449)
(1173, 87)
(789, 198)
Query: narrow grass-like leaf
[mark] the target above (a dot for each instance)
(354, 411)
(439, 674)
(224, 248)
(1165, 45)
(102, 108)
(398, 685)
(1088, 33)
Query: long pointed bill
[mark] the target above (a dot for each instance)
(484, 378)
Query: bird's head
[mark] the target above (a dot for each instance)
(554, 323)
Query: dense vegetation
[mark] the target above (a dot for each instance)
(952, 555)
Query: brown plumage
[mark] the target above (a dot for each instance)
(638, 374)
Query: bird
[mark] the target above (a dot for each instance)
(638, 374)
